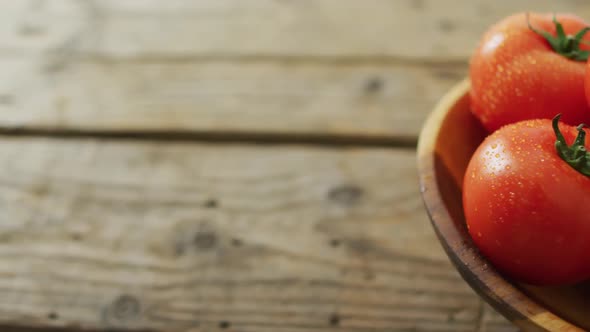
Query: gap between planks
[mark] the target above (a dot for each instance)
(260, 138)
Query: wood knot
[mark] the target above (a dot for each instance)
(446, 25)
(125, 307)
(76, 236)
(374, 85)
(345, 194)
(334, 320)
(360, 246)
(237, 242)
(31, 30)
(335, 243)
(205, 240)
(6, 99)
(417, 4)
(211, 203)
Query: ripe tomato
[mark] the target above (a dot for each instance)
(521, 71)
(526, 208)
(587, 83)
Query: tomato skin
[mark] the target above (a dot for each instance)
(526, 209)
(516, 75)
(587, 82)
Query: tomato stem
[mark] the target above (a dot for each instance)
(566, 45)
(575, 155)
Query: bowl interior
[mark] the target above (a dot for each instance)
(448, 139)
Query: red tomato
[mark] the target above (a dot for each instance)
(587, 83)
(518, 74)
(526, 208)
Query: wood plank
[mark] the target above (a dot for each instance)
(100, 233)
(167, 82)
(360, 100)
(430, 30)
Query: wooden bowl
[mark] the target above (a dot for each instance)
(448, 139)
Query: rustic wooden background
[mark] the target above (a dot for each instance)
(235, 165)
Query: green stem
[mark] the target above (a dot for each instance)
(575, 155)
(566, 45)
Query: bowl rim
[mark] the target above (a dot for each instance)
(499, 292)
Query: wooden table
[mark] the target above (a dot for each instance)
(243, 165)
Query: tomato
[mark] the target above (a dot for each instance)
(587, 83)
(521, 71)
(527, 209)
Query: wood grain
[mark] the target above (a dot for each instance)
(413, 29)
(33, 28)
(103, 233)
(326, 68)
(151, 235)
(363, 101)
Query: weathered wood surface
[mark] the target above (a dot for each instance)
(350, 68)
(155, 235)
(364, 101)
(414, 30)
(105, 233)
